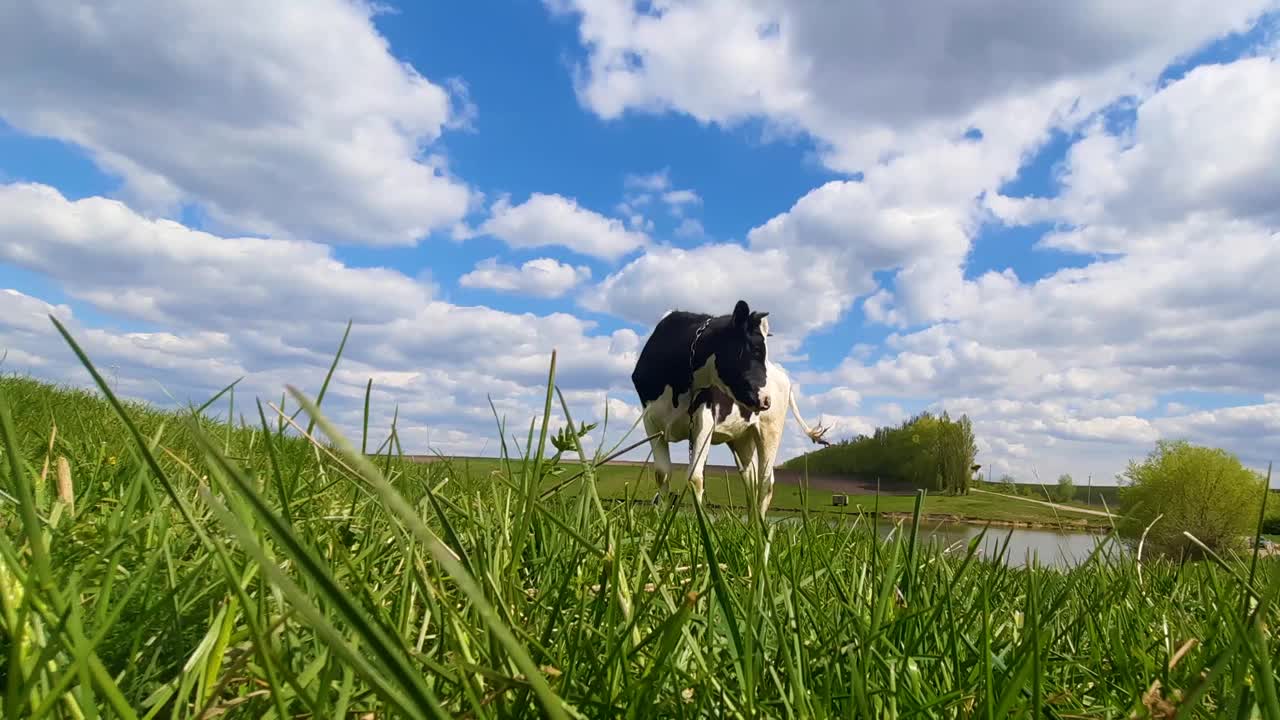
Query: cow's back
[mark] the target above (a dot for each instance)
(664, 359)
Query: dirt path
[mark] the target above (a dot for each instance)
(1068, 508)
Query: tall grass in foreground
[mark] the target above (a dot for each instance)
(216, 570)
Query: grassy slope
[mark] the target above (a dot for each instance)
(125, 606)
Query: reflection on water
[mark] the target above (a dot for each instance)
(1020, 546)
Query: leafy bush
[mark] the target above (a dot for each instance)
(1066, 490)
(1201, 490)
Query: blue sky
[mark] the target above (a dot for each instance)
(1007, 220)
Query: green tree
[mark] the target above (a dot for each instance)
(927, 451)
(1201, 490)
(956, 452)
(1066, 490)
(1007, 485)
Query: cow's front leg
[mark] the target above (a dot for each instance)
(744, 448)
(768, 437)
(701, 423)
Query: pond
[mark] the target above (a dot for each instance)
(1048, 547)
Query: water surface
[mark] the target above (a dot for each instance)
(1020, 546)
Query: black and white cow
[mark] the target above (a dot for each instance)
(708, 380)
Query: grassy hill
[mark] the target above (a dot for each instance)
(155, 567)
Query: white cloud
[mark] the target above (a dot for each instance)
(653, 182)
(441, 383)
(273, 312)
(870, 81)
(163, 272)
(1252, 431)
(28, 339)
(838, 400)
(541, 277)
(690, 228)
(711, 278)
(857, 228)
(880, 105)
(1201, 149)
(676, 200)
(286, 118)
(1064, 363)
(1147, 322)
(1125, 429)
(647, 190)
(553, 220)
(806, 265)
(892, 413)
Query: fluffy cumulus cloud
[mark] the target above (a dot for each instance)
(292, 117)
(711, 278)
(806, 266)
(1181, 304)
(556, 221)
(273, 311)
(440, 396)
(870, 80)
(540, 277)
(1200, 149)
(160, 271)
(934, 107)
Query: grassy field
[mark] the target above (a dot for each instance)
(153, 565)
(725, 488)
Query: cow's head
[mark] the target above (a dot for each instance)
(740, 357)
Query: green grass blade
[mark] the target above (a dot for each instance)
(551, 704)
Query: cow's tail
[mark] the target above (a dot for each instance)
(815, 434)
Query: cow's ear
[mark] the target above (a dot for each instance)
(761, 320)
(741, 314)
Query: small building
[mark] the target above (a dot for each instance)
(839, 499)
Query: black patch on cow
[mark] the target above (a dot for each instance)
(736, 340)
(720, 403)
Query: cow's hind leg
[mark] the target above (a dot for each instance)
(661, 461)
